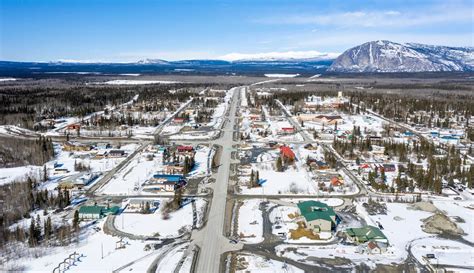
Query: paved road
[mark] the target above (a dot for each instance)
(296, 125)
(211, 238)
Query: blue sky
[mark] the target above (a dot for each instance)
(100, 30)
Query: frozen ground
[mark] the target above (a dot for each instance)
(447, 252)
(171, 260)
(97, 248)
(129, 179)
(134, 82)
(250, 222)
(8, 175)
(257, 264)
(201, 159)
(462, 214)
(294, 180)
(154, 224)
(281, 75)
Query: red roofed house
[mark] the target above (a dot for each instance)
(337, 181)
(185, 149)
(178, 120)
(287, 153)
(287, 130)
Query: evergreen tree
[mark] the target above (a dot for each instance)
(279, 164)
(75, 221)
(32, 240)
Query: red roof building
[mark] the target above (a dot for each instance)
(285, 151)
(183, 149)
(178, 120)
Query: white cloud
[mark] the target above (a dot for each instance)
(279, 55)
(379, 18)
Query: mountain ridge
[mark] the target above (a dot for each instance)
(387, 56)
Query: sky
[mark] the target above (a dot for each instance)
(127, 31)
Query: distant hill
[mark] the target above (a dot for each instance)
(386, 56)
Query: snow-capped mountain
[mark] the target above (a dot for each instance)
(289, 56)
(386, 56)
(152, 61)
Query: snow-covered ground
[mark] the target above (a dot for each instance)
(250, 228)
(154, 224)
(7, 79)
(281, 75)
(134, 82)
(259, 264)
(201, 159)
(130, 178)
(8, 175)
(447, 252)
(462, 210)
(171, 260)
(294, 180)
(98, 250)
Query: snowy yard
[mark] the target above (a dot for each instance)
(250, 221)
(129, 179)
(98, 250)
(257, 264)
(154, 224)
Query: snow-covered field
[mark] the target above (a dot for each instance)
(135, 82)
(7, 79)
(98, 250)
(154, 224)
(294, 180)
(8, 175)
(250, 221)
(258, 264)
(171, 260)
(281, 75)
(462, 209)
(201, 159)
(446, 252)
(129, 179)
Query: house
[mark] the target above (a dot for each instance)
(97, 212)
(372, 247)
(287, 153)
(103, 146)
(287, 130)
(174, 169)
(337, 181)
(75, 126)
(91, 212)
(255, 117)
(60, 171)
(318, 216)
(165, 182)
(75, 147)
(389, 168)
(178, 120)
(116, 153)
(138, 204)
(365, 234)
(185, 150)
(328, 119)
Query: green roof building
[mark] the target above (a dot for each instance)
(366, 234)
(91, 212)
(318, 216)
(97, 212)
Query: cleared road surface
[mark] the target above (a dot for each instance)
(211, 238)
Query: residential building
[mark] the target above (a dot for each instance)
(365, 234)
(318, 216)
